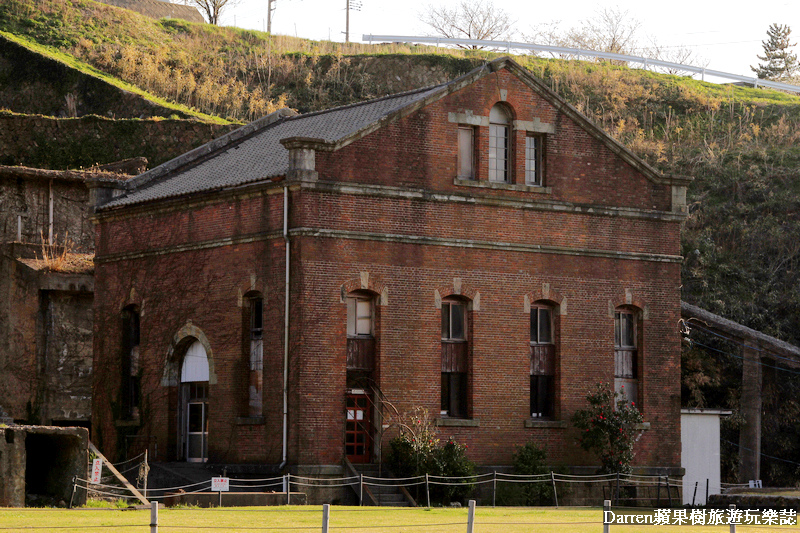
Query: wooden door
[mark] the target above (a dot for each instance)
(358, 428)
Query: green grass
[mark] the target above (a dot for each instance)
(89, 70)
(309, 518)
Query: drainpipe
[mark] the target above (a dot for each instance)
(286, 332)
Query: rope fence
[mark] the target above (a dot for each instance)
(469, 520)
(620, 488)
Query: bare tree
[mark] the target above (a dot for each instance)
(470, 19)
(610, 30)
(212, 9)
(674, 54)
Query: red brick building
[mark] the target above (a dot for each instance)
(478, 248)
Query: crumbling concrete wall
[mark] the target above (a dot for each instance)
(45, 342)
(66, 372)
(38, 465)
(12, 467)
(25, 209)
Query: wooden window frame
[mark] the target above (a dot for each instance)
(534, 160)
(454, 383)
(543, 362)
(466, 152)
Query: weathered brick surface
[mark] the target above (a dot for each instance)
(601, 236)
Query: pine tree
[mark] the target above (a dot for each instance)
(779, 62)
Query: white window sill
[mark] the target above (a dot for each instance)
(456, 422)
(547, 424)
(502, 186)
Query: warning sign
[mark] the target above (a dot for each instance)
(220, 484)
(97, 470)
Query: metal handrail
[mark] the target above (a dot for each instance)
(646, 62)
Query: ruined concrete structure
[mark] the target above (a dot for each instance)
(38, 464)
(478, 248)
(46, 309)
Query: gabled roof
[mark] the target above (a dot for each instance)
(254, 152)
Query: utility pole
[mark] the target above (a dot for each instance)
(270, 9)
(356, 5)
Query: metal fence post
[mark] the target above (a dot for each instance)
(361, 489)
(669, 491)
(288, 484)
(471, 516)
(326, 512)
(427, 490)
(154, 517)
(555, 492)
(606, 509)
(733, 524)
(494, 489)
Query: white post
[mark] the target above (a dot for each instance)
(733, 524)
(471, 517)
(361, 489)
(606, 508)
(326, 512)
(154, 517)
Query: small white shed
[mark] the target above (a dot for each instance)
(700, 453)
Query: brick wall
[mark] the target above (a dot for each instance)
(600, 235)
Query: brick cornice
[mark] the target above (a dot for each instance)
(393, 237)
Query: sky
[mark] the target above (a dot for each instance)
(722, 37)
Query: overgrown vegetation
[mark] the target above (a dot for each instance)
(418, 450)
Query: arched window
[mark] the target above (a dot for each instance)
(455, 359)
(626, 354)
(360, 332)
(130, 389)
(499, 144)
(255, 356)
(194, 402)
(543, 355)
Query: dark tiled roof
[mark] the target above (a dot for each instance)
(254, 153)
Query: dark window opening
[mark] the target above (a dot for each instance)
(542, 352)
(455, 360)
(626, 356)
(131, 333)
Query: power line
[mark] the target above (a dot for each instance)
(731, 339)
(761, 453)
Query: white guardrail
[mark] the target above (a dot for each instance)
(646, 62)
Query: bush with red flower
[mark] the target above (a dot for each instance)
(609, 427)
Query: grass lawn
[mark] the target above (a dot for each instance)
(309, 518)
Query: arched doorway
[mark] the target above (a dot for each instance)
(194, 404)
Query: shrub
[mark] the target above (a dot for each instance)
(528, 460)
(608, 428)
(418, 451)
